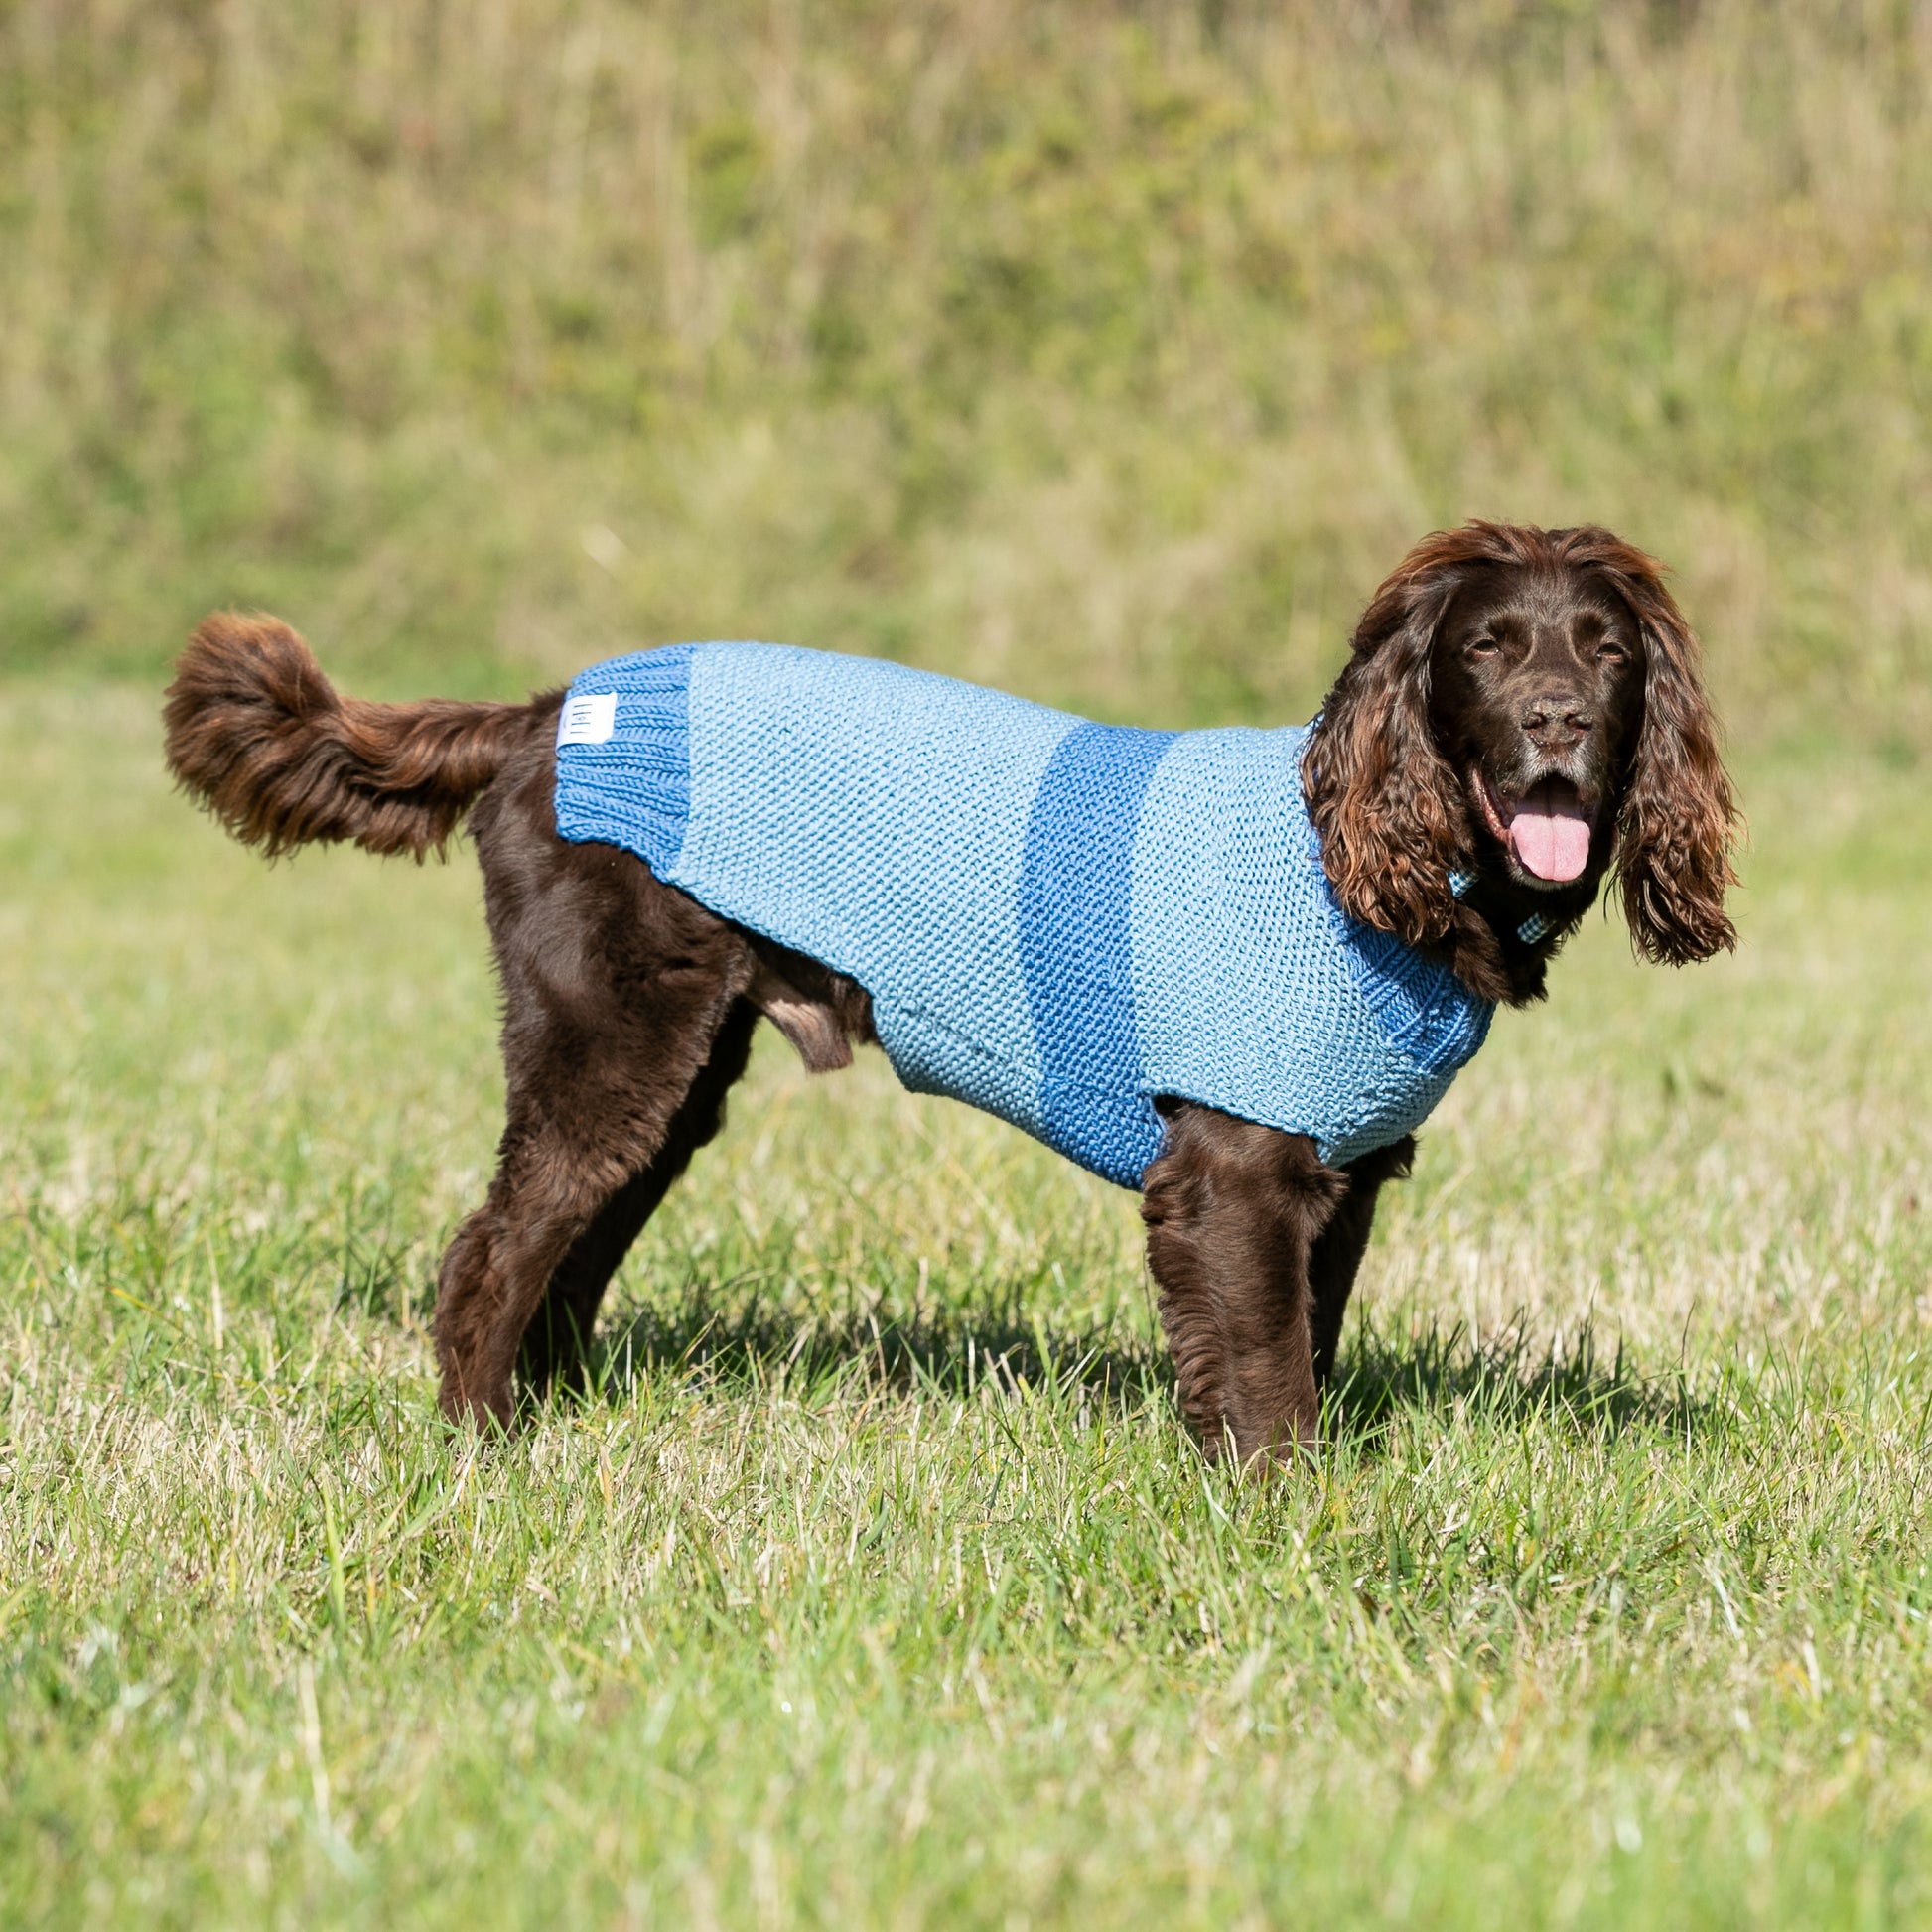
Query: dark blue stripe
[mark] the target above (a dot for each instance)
(634, 789)
(1076, 948)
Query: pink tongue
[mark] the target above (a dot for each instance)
(1549, 834)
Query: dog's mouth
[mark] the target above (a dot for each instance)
(1545, 829)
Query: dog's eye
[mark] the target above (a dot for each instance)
(1611, 652)
(1483, 646)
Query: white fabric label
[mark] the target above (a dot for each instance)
(589, 720)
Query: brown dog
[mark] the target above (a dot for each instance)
(1495, 667)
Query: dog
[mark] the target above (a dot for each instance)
(1232, 968)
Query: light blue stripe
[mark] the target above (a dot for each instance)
(1237, 1009)
(1076, 948)
(875, 817)
(1428, 1014)
(1254, 992)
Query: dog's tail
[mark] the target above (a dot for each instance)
(258, 735)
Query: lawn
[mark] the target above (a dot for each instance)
(878, 1584)
(1109, 353)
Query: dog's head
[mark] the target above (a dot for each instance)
(1523, 705)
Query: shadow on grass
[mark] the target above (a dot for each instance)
(745, 1340)
(949, 1349)
(730, 1333)
(1508, 1379)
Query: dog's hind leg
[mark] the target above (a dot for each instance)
(554, 1344)
(621, 996)
(588, 1150)
(822, 1012)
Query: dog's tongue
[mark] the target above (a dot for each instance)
(1549, 832)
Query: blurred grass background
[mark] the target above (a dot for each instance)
(1108, 352)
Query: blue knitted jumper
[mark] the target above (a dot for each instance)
(1056, 920)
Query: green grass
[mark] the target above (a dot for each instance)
(879, 1586)
(1111, 352)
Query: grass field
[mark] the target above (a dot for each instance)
(1111, 353)
(879, 1586)
(1105, 351)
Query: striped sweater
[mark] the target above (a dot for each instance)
(1056, 920)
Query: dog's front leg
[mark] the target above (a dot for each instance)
(1338, 1254)
(1233, 1212)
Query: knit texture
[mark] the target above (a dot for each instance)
(1056, 920)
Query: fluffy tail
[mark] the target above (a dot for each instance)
(257, 733)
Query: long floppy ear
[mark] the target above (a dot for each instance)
(1380, 794)
(1679, 818)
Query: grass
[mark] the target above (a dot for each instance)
(1110, 354)
(1107, 353)
(878, 1585)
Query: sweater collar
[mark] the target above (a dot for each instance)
(1536, 927)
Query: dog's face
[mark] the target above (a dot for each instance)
(1524, 704)
(1536, 692)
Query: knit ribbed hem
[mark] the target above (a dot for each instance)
(632, 789)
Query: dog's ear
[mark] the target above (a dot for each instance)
(1381, 795)
(1678, 819)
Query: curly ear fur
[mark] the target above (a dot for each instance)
(1387, 805)
(1380, 794)
(1679, 817)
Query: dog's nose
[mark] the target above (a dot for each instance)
(1555, 717)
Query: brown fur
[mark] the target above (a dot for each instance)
(1393, 817)
(630, 1009)
(259, 735)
